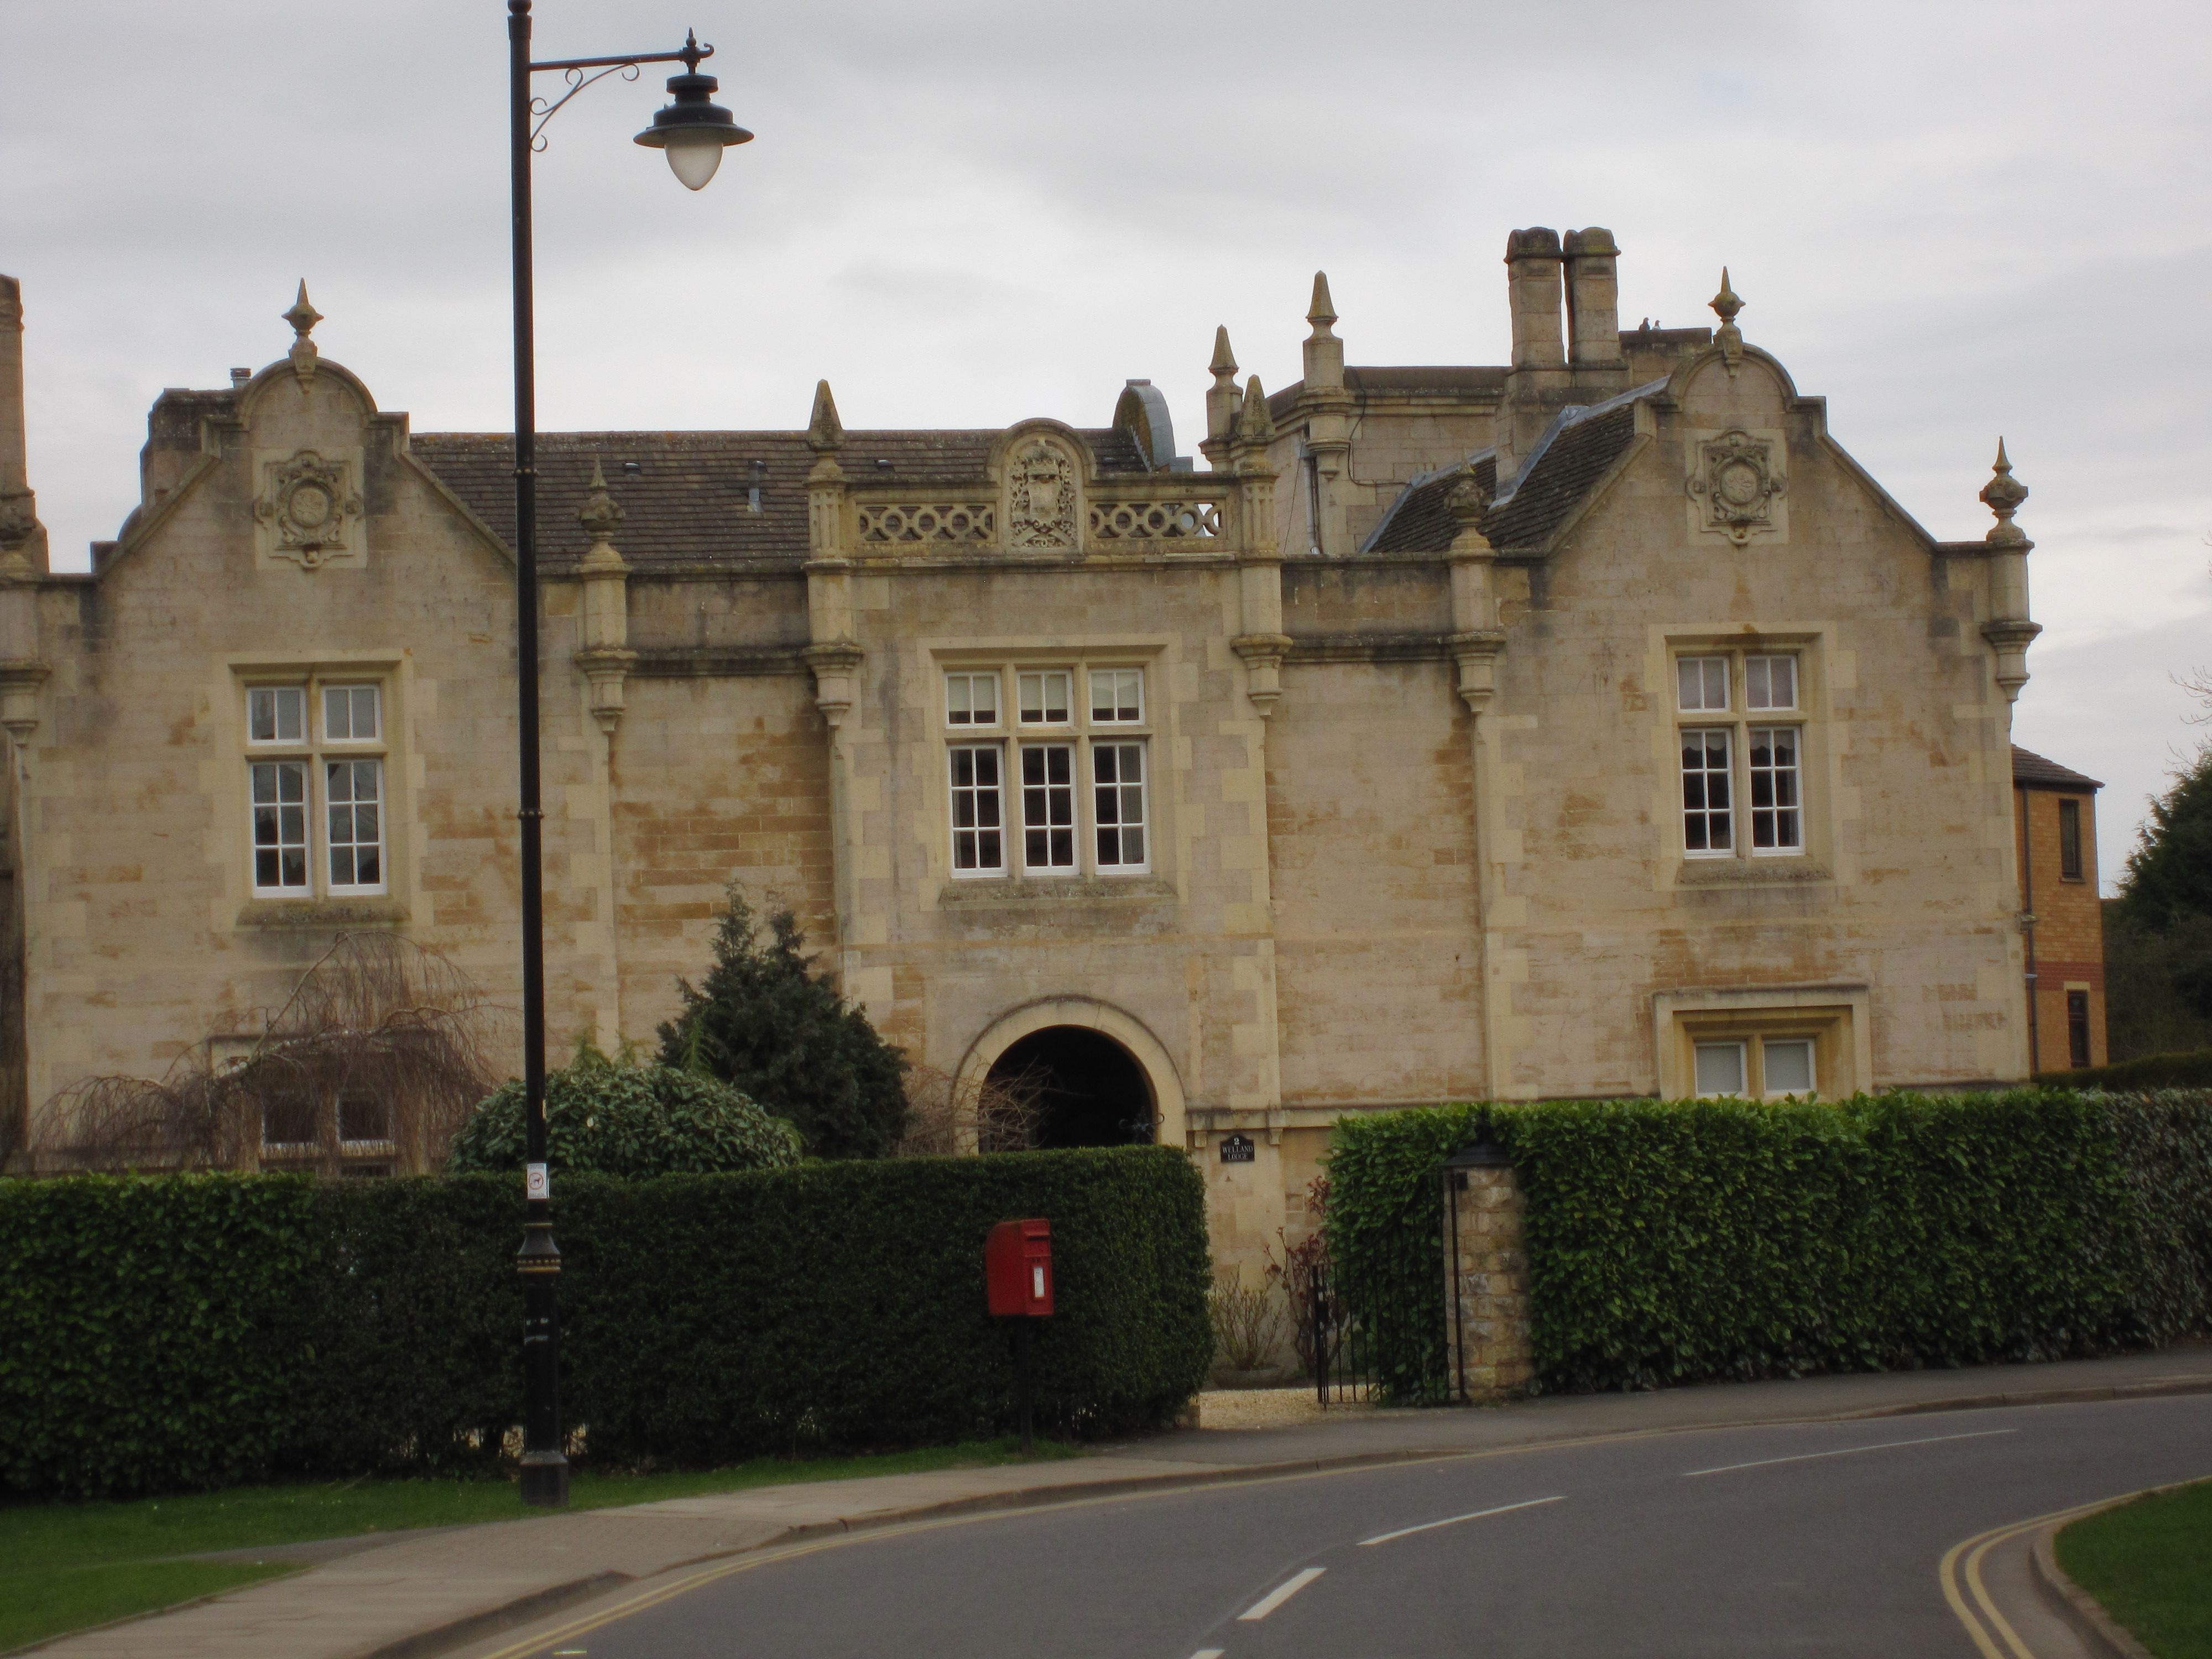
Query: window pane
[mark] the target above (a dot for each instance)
(2070, 840)
(1720, 1068)
(1702, 683)
(350, 713)
(1044, 698)
(1048, 807)
(2077, 1028)
(1117, 787)
(1117, 695)
(289, 1119)
(354, 803)
(1789, 1066)
(1777, 812)
(276, 713)
(1706, 820)
(1770, 683)
(364, 1117)
(978, 831)
(279, 794)
(971, 699)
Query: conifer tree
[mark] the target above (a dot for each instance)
(2158, 933)
(766, 1024)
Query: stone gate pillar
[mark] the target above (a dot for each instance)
(1486, 1273)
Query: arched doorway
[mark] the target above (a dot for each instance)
(1089, 1089)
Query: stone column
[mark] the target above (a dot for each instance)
(1486, 1273)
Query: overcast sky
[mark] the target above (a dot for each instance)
(1952, 220)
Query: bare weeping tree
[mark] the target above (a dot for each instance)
(378, 1058)
(988, 1114)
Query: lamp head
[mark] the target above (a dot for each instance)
(694, 130)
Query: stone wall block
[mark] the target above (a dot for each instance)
(1489, 1267)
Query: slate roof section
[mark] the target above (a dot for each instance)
(1569, 467)
(689, 500)
(2031, 771)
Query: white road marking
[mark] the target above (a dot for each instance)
(1209, 1653)
(1454, 1520)
(1282, 1593)
(1805, 1457)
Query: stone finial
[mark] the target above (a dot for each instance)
(600, 511)
(1223, 366)
(1725, 305)
(824, 431)
(1255, 424)
(303, 317)
(1466, 502)
(1322, 311)
(2002, 495)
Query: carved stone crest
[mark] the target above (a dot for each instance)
(1736, 485)
(1042, 496)
(308, 510)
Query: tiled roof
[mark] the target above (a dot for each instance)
(690, 500)
(2037, 772)
(1569, 467)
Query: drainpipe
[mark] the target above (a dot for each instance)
(2027, 919)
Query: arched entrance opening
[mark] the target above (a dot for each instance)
(1090, 1091)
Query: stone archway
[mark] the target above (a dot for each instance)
(1096, 1059)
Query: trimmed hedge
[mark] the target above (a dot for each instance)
(1673, 1241)
(2186, 1070)
(200, 1330)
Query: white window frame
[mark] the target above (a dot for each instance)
(968, 680)
(315, 755)
(975, 794)
(1775, 776)
(275, 694)
(1812, 1048)
(303, 767)
(1735, 693)
(1124, 792)
(1117, 675)
(1066, 674)
(1045, 793)
(352, 806)
(353, 739)
(1727, 811)
(1742, 1050)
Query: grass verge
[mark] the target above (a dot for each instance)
(68, 1566)
(2150, 1563)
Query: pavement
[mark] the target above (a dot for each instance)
(419, 1593)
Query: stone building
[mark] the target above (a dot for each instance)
(1590, 725)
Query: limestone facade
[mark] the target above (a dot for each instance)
(1343, 771)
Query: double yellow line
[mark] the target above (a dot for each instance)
(1961, 1575)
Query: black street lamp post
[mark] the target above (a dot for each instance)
(693, 131)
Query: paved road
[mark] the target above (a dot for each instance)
(1816, 1539)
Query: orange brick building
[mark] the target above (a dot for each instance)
(2056, 821)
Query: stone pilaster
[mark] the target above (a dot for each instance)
(1488, 1268)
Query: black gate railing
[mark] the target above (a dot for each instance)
(1375, 1314)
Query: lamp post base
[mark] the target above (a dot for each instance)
(545, 1480)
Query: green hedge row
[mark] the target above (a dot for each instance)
(199, 1330)
(2152, 1072)
(1671, 1242)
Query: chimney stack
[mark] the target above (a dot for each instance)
(1594, 299)
(1532, 264)
(22, 537)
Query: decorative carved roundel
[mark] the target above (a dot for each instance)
(306, 504)
(1736, 483)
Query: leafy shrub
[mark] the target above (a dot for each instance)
(194, 1331)
(2185, 1071)
(764, 1022)
(614, 1118)
(1670, 1241)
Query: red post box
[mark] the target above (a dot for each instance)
(1018, 1268)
